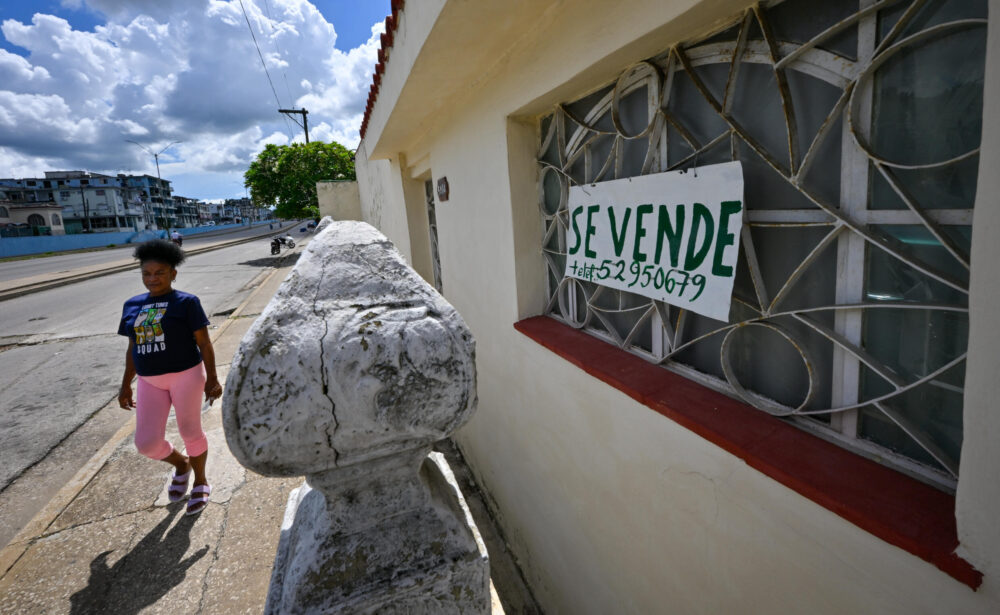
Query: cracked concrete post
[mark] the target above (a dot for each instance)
(353, 371)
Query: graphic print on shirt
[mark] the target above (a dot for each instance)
(149, 335)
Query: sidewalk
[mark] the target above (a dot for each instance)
(110, 542)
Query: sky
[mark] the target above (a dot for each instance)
(79, 79)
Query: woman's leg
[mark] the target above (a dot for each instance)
(186, 391)
(152, 407)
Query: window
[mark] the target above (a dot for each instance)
(433, 230)
(64, 194)
(100, 193)
(4, 213)
(858, 132)
(36, 220)
(55, 220)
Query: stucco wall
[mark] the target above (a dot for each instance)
(610, 507)
(979, 490)
(339, 200)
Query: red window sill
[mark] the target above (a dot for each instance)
(892, 506)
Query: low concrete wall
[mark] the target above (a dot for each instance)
(22, 246)
(339, 199)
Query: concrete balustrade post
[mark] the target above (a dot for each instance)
(353, 371)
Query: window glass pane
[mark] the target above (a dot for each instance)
(757, 107)
(951, 186)
(899, 281)
(933, 410)
(933, 13)
(768, 189)
(938, 86)
(689, 108)
(801, 21)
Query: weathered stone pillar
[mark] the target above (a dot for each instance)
(353, 371)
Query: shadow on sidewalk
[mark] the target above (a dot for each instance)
(273, 261)
(150, 570)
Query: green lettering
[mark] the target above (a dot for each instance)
(640, 232)
(724, 238)
(576, 230)
(616, 238)
(590, 231)
(673, 233)
(695, 256)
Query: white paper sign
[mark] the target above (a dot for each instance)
(670, 236)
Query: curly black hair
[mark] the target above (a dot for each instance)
(160, 251)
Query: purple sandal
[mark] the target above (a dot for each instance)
(178, 486)
(199, 499)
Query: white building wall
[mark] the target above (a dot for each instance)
(611, 507)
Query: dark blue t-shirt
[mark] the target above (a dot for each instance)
(162, 329)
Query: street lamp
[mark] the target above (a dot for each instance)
(156, 157)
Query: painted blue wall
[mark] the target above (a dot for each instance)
(21, 246)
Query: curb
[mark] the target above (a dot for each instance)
(28, 289)
(34, 529)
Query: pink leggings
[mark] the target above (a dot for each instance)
(154, 395)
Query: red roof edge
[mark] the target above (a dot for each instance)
(386, 40)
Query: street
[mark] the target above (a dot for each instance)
(61, 363)
(63, 262)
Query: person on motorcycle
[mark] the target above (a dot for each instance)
(176, 237)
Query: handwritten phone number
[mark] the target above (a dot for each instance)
(673, 281)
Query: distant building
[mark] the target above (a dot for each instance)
(155, 194)
(23, 214)
(186, 212)
(204, 212)
(244, 210)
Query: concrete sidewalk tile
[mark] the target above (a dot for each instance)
(127, 483)
(224, 473)
(238, 582)
(54, 568)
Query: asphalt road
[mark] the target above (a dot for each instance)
(64, 262)
(61, 360)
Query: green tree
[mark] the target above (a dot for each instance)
(285, 176)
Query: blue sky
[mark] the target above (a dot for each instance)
(78, 78)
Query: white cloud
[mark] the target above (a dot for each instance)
(164, 70)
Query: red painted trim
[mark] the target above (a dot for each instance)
(386, 40)
(892, 506)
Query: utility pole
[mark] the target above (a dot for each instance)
(156, 157)
(305, 118)
(86, 209)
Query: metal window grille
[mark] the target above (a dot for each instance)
(858, 127)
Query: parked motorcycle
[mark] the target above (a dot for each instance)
(277, 242)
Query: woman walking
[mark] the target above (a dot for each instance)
(170, 350)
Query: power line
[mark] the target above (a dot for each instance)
(259, 54)
(277, 48)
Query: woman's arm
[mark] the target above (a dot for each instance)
(125, 392)
(213, 389)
